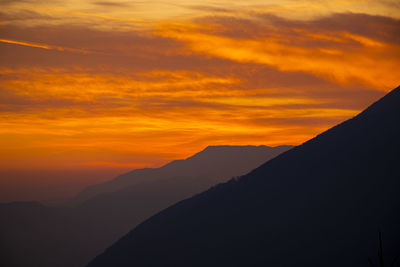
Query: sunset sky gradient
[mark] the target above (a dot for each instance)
(96, 88)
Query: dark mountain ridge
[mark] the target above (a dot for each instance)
(319, 204)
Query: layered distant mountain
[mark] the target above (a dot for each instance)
(36, 235)
(213, 163)
(319, 204)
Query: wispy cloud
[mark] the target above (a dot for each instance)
(111, 4)
(337, 55)
(47, 47)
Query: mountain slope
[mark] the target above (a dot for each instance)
(319, 204)
(218, 159)
(37, 235)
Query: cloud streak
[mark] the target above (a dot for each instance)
(47, 47)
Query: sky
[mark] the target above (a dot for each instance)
(92, 89)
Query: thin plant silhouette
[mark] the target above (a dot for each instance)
(380, 255)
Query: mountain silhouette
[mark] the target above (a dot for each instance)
(37, 235)
(214, 162)
(319, 204)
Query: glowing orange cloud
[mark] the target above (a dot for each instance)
(67, 122)
(365, 61)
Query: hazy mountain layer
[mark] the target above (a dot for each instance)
(214, 162)
(35, 235)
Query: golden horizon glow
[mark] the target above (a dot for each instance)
(121, 84)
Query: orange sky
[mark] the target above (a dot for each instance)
(102, 87)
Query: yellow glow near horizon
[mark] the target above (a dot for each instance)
(88, 85)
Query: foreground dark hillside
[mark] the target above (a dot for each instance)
(32, 234)
(319, 204)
